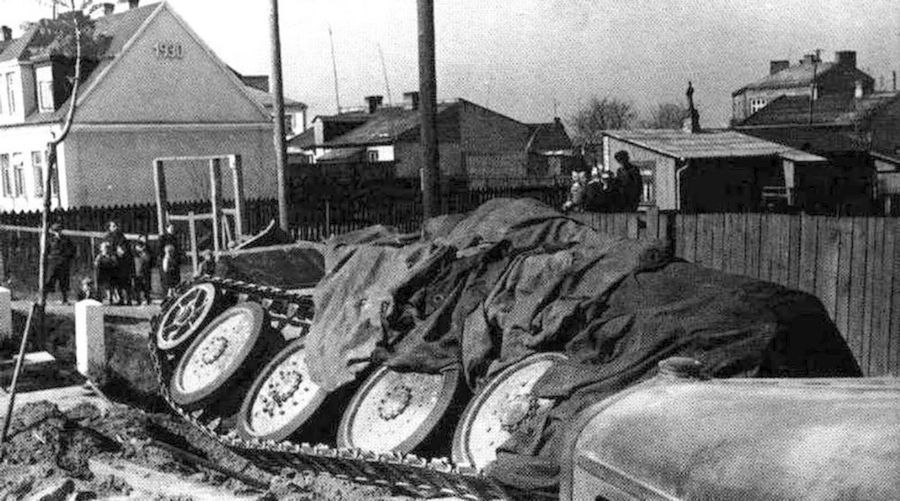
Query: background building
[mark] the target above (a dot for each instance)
(156, 91)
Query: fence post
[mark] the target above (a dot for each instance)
(5, 314)
(192, 229)
(90, 342)
(653, 222)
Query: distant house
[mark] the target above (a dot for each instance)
(726, 171)
(156, 90)
(294, 111)
(853, 126)
(475, 143)
(809, 77)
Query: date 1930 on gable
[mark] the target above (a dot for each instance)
(168, 50)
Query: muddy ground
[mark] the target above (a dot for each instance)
(48, 447)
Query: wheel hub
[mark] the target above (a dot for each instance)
(286, 392)
(519, 410)
(395, 402)
(214, 350)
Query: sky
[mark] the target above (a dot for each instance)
(536, 59)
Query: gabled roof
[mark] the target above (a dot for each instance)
(120, 27)
(384, 126)
(800, 75)
(827, 110)
(15, 48)
(305, 139)
(712, 144)
(265, 99)
(550, 136)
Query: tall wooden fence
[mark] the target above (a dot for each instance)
(852, 264)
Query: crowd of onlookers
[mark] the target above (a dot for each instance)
(603, 191)
(122, 269)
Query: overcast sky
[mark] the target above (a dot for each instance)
(524, 58)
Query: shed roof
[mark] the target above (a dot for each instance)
(712, 144)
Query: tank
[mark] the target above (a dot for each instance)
(677, 437)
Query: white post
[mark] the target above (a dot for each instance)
(90, 342)
(5, 313)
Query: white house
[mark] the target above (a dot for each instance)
(158, 91)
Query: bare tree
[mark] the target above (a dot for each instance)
(600, 114)
(667, 116)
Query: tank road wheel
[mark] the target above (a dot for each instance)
(403, 412)
(284, 402)
(189, 313)
(504, 406)
(219, 362)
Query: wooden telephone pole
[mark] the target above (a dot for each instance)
(428, 109)
(277, 91)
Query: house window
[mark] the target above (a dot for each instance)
(10, 94)
(288, 125)
(18, 168)
(648, 182)
(757, 104)
(45, 95)
(372, 156)
(37, 169)
(5, 178)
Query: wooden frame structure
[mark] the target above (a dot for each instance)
(218, 209)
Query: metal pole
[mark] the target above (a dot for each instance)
(278, 100)
(428, 108)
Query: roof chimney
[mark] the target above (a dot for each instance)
(411, 99)
(108, 8)
(374, 103)
(845, 58)
(776, 66)
(858, 92)
(691, 123)
(808, 59)
(134, 4)
(7, 33)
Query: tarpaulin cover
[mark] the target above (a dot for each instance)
(283, 266)
(515, 277)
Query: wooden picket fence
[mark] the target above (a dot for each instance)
(852, 264)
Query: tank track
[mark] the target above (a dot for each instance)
(409, 474)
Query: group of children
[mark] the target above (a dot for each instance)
(122, 270)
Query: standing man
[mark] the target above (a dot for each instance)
(629, 181)
(60, 253)
(125, 271)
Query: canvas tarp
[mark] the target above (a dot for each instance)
(514, 277)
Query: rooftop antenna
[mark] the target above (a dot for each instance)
(387, 85)
(555, 108)
(337, 96)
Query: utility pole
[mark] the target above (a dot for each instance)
(428, 109)
(277, 91)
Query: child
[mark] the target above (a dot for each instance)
(169, 271)
(143, 263)
(207, 264)
(125, 273)
(87, 290)
(106, 265)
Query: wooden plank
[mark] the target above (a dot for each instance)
(752, 244)
(828, 247)
(794, 253)
(808, 250)
(766, 241)
(631, 222)
(883, 367)
(845, 256)
(737, 236)
(877, 360)
(704, 240)
(718, 249)
(871, 239)
(690, 238)
(679, 235)
(652, 218)
(894, 329)
(855, 315)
